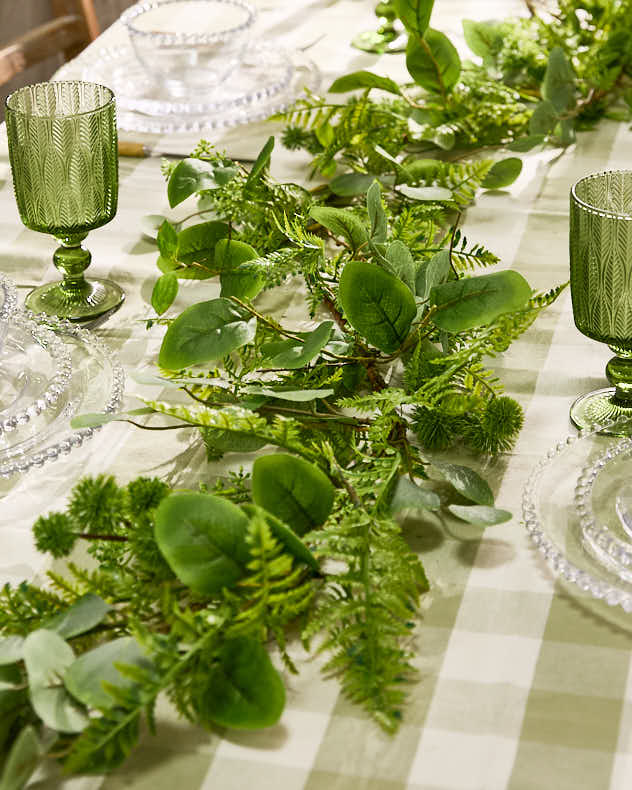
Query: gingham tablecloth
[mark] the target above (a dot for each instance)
(521, 686)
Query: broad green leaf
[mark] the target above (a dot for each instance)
(239, 277)
(433, 62)
(483, 38)
(524, 144)
(150, 225)
(425, 193)
(202, 537)
(467, 482)
(22, 760)
(197, 245)
(444, 137)
(377, 215)
(476, 301)
(422, 169)
(205, 331)
(400, 170)
(325, 134)
(566, 131)
(260, 164)
(287, 537)
(414, 14)
(503, 173)
(410, 496)
(480, 515)
(559, 81)
(189, 176)
(401, 261)
(84, 678)
(11, 649)
(242, 689)
(378, 305)
(293, 490)
(291, 355)
(47, 657)
(167, 240)
(99, 418)
(225, 174)
(298, 396)
(351, 184)
(436, 271)
(86, 613)
(543, 120)
(341, 223)
(363, 79)
(219, 440)
(164, 292)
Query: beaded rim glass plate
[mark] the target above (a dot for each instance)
(267, 82)
(96, 385)
(8, 299)
(556, 526)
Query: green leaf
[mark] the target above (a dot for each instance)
(202, 537)
(298, 396)
(341, 223)
(480, 515)
(325, 134)
(85, 677)
(86, 613)
(559, 81)
(363, 79)
(11, 649)
(286, 537)
(425, 193)
(239, 277)
(401, 261)
(433, 62)
(167, 240)
(291, 488)
(47, 657)
(99, 418)
(467, 482)
(197, 245)
(291, 355)
(164, 292)
(351, 184)
(242, 690)
(225, 174)
(483, 38)
(378, 305)
(260, 164)
(414, 14)
(189, 176)
(503, 173)
(543, 120)
(476, 301)
(524, 144)
(377, 215)
(410, 496)
(22, 760)
(205, 331)
(219, 440)
(435, 272)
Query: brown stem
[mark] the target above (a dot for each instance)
(96, 536)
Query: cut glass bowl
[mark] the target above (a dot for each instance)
(189, 45)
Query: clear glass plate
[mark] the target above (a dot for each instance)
(8, 299)
(95, 385)
(560, 501)
(268, 80)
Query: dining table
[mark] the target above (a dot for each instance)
(524, 680)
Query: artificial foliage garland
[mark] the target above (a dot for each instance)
(393, 368)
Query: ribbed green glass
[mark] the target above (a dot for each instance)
(601, 285)
(64, 160)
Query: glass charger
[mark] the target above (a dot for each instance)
(557, 526)
(95, 385)
(268, 80)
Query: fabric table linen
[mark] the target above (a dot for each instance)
(521, 684)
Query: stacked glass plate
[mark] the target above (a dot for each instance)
(50, 371)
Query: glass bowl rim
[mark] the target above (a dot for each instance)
(111, 99)
(171, 39)
(600, 212)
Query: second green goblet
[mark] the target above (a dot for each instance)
(64, 160)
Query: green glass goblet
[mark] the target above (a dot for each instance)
(64, 160)
(601, 289)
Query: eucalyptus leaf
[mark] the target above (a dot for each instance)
(425, 193)
(543, 119)
(196, 244)
(203, 539)
(377, 215)
(293, 490)
(503, 173)
(291, 355)
(189, 176)
(378, 305)
(205, 331)
(364, 80)
(238, 275)
(483, 38)
(480, 515)
(241, 689)
(164, 292)
(559, 81)
(409, 496)
(22, 760)
(401, 261)
(100, 418)
(351, 184)
(222, 441)
(524, 144)
(57, 709)
(467, 482)
(11, 649)
(414, 14)
(476, 301)
(167, 240)
(298, 396)
(433, 62)
(435, 272)
(260, 164)
(341, 223)
(286, 536)
(83, 615)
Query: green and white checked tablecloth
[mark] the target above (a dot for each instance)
(521, 685)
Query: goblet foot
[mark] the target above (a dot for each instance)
(92, 299)
(599, 407)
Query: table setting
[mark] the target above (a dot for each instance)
(314, 450)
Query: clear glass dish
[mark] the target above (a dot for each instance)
(8, 300)
(268, 80)
(96, 385)
(189, 45)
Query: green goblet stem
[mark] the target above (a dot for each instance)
(71, 259)
(619, 374)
